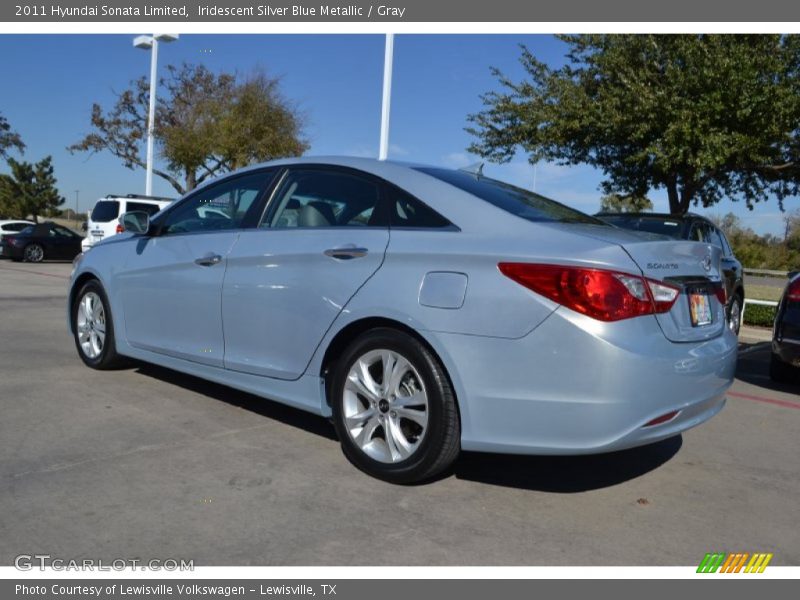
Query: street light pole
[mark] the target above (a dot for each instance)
(77, 192)
(150, 42)
(383, 152)
(151, 116)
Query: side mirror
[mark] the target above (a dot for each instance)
(136, 221)
(84, 226)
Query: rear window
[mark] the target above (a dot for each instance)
(15, 226)
(517, 201)
(105, 211)
(150, 209)
(669, 227)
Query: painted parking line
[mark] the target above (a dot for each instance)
(775, 401)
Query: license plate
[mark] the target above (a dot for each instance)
(98, 233)
(699, 309)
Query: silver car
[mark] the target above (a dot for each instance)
(424, 310)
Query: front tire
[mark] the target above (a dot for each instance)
(394, 408)
(93, 328)
(33, 253)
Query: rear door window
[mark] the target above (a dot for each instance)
(105, 211)
(312, 197)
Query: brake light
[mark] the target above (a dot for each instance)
(120, 228)
(722, 294)
(793, 292)
(597, 293)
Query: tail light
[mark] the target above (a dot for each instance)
(793, 291)
(120, 228)
(722, 294)
(597, 293)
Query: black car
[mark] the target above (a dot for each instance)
(40, 242)
(692, 227)
(784, 364)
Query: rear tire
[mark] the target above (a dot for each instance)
(735, 314)
(33, 253)
(93, 328)
(782, 372)
(403, 428)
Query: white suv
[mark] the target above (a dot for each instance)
(104, 220)
(12, 227)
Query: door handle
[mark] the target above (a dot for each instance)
(346, 252)
(209, 260)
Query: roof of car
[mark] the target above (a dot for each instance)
(380, 168)
(651, 215)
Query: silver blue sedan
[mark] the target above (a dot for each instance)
(424, 310)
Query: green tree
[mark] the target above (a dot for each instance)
(702, 116)
(206, 124)
(30, 189)
(9, 139)
(618, 203)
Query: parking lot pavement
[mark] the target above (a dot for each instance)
(147, 463)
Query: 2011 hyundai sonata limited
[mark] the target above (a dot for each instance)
(425, 310)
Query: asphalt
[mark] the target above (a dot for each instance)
(147, 463)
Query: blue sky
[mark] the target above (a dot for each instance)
(50, 82)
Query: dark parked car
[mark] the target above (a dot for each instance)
(45, 241)
(785, 362)
(697, 228)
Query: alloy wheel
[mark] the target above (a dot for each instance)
(734, 320)
(34, 253)
(385, 406)
(91, 325)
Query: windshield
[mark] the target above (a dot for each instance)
(517, 201)
(105, 211)
(663, 226)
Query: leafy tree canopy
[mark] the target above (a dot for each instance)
(9, 139)
(30, 189)
(625, 203)
(702, 116)
(206, 124)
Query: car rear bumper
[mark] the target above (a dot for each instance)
(788, 350)
(10, 252)
(578, 386)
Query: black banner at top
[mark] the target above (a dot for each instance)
(401, 11)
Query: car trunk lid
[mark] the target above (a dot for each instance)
(692, 267)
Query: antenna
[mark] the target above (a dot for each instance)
(474, 169)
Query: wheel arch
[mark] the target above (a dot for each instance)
(79, 282)
(352, 330)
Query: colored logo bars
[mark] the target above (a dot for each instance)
(734, 562)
